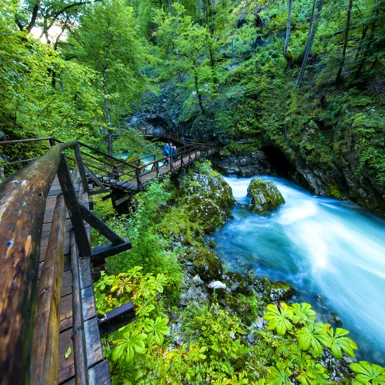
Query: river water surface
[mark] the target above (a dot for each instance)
(332, 252)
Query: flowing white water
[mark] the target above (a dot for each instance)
(332, 252)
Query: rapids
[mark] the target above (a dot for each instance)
(332, 252)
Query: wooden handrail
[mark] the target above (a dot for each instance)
(22, 206)
(45, 343)
(24, 140)
(180, 153)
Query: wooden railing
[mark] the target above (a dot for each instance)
(100, 167)
(29, 344)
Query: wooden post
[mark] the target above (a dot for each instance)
(137, 178)
(79, 161)
(73, 207)
(22, 206)
(45, 344)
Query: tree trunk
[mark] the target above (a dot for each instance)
(369, 43)
(197, 90)
(212, 64)
(342, 63)
(288, 29)
(107, 108)
(310, 40)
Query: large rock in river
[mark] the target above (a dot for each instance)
(208, 197)
(264, 195)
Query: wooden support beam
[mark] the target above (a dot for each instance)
(100, 191)
(115, 319)
(122, 200)
(45, 344)
(99, 253)
(73, 207)
(94, 178)
(78, 337)
(99, 225)
(107, 197)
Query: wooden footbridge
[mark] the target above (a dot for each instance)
(49, 330)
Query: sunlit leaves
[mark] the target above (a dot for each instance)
(368, 373)
(312, 336)
(157, 329)
(313, 374)
(279, 319)
(279, 375)
(302, 313)
(338, 343)
(131, 343)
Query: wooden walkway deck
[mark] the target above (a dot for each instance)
(149, 171)
(47, 305)
(98, 368)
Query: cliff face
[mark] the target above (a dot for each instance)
(259, 136)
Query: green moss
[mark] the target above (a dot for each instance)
(207, 264)
(264, 195)
(244, 306)
(333, 191)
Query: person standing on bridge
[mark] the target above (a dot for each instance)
(166, 153)
(174, 154)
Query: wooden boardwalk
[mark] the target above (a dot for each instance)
(147, 172)
(98, 368)
(49, 328)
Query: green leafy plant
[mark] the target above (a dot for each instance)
(302, 313)
(312, 336)
(368, 373)
(279, 318)
(338, 343)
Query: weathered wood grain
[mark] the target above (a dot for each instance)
(45, 342)
(22, 204)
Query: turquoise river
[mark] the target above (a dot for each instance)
(332, 252)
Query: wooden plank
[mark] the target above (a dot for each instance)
(44, 244)
(80, 349)
(100, 374)
(85, 272)
(67, 283)
(88, 302)
(104, 251)
(45, 342)
(66, 312)
(66, 366)
(94, 347)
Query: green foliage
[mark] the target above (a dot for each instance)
(338, 343)
(313, 336)
(279, 319)
(148, 331)
(368, 373)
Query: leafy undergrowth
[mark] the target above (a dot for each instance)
(221, 344)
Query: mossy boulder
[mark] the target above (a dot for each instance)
(270, 291)
(264, 195)
(281, 291)
(206, 213)
(208, 197)
(205, 263)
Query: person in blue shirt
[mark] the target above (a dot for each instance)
(166, 153)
